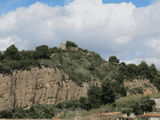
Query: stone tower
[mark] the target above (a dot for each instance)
(63, 46)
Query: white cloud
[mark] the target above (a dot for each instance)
(122, 40)
(5, 42)
(110, 29)
(148, 60)
(154, 44)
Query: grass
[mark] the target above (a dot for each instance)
(157, 95)
(120, 105)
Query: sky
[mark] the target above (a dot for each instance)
(128, 29)
(9, 5)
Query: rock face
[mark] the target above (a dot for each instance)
(38, 86)
(137, 85)
(5, 90)
(49, 86)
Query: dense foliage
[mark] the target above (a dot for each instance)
(35, 111)
(79, 64)
(137, 105)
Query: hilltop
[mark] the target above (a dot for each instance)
(68, 77)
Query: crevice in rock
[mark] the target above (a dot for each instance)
(13, 93)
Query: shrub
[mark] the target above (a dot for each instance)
(35, 112)
(94, 96)
(139, 104)
(54, 50)
(70, 44)
(113, 59)
(84, 103)
(27, 55)
(4, 69)
(1, 56)
(108, 91)
(41, 52)
(5, 114)
(12, 53)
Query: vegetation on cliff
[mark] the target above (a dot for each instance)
(137, 105)
(81, 66)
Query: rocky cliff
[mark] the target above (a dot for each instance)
(50, 86)
(38, 86)
(140, 86)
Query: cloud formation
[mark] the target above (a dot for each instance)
(131, 33)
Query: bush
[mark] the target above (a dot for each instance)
(79, 76)
(138, 105)
(113, 59)
(23, 64)
(54, 50)
(12, 53)
(139, 90)
(5, 114)
(4, 69)
(70, 44)
(27, 55)
(1, 56)
(70, 105)
(108, 91)
(35, 112)
(94, 96)
(42, 52)
(84, 103)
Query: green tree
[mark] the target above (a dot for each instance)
(54, 50)
(121, 73)
(29, 54)
(122, 68)
(143, 105)
(42, 52)
(113, 59)
(94, 96)
(132, 71)
(70, 44)
(1, 56)
(91, 67)
(152, 72)
(4, 69)
(84, 103)
(108, 91)
(12, 53)
(144, 69)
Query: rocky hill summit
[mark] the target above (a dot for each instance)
(56, 75)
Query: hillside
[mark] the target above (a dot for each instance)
(139, 87)
(68, 77)
(38, 86)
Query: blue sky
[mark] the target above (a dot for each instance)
(10, 5)
(138, 3)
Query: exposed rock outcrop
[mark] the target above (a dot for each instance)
(49, 86)
(5, 92)
(38, 86)
(137, 86)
